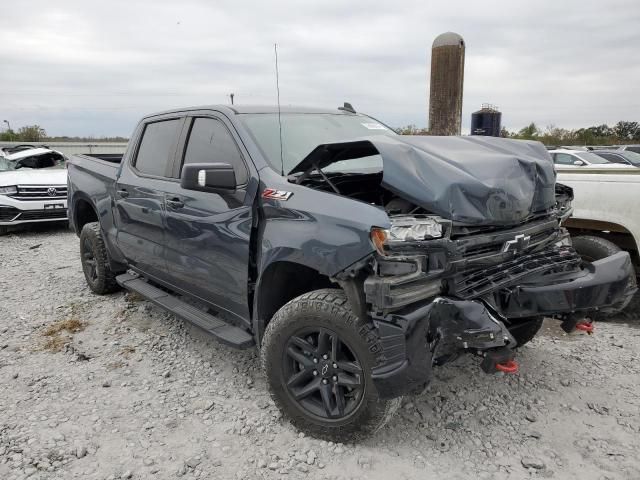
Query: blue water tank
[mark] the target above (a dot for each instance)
(486, 121)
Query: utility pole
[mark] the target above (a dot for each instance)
(231, 95)
(9, 129)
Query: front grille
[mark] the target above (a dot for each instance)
(486, 244)
(477, 282)
(41, 192)
(43, 214)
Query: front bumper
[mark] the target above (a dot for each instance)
(15, 211)
(605, 285)
(417, 337)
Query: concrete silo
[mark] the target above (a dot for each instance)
(447, 79)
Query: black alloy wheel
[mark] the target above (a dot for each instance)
(95, 260)
(318, 358)
(323, 373)
(89, 262)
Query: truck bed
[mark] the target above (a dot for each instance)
(107, 157)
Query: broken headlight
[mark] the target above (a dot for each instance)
(408, 228)
(8, 190)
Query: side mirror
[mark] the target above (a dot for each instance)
(579, 163)
(208, 177)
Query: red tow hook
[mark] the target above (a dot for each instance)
(585, 327)
(509, 366)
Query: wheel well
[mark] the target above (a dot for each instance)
(615, 233)
(284, 281)
(84, 213)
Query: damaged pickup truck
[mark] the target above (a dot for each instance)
(357, 260)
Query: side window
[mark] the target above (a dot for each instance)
(157, 147)
(211, 142)
(563, 159)
(612, 158)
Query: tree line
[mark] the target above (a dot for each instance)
(621, 133)
(35, 133)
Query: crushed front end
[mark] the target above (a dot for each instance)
(437, 290)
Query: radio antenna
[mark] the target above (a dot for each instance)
(275, 49)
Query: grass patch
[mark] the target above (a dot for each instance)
(60, 333)
(55, 343)
(71, 325)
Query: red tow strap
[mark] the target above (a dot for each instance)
(507, 367)
(585, 327)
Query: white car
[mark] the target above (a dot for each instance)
(565, 159)
(33, 187)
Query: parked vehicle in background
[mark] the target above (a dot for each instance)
(625, 157)
(582, 159)
(630, 148)
(606, 218)
(33, 186)
(356, 259)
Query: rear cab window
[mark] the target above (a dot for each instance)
(157, 148)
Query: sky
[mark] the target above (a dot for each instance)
(91, 68)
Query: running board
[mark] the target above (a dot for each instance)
(225, 333)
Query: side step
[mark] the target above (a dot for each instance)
(225, 333)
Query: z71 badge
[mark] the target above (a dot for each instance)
(276, 194)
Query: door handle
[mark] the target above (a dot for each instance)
(122, 193)
(174, 203)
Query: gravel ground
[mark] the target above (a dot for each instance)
(113, 387)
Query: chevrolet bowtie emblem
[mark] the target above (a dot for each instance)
(518, 244)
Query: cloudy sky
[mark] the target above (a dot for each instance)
(93, 68)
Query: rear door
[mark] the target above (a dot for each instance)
(208, 234)
(140, 195)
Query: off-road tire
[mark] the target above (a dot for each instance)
(524, 331)
(592, 248)
(329, 309)
(102, 280)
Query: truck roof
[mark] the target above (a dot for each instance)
(240, 109)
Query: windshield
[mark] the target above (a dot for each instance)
(592, 158)
(302, 132)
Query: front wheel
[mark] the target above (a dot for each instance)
(317, 361)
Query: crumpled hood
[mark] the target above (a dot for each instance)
(472, 180)
(28, 176)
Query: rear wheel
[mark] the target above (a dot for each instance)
(317, 362)
(3, 230)
(95, 260)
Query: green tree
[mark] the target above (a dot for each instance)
(412, 130)
(529, 132)
(627, 130)
(8, 136)
(32, 133)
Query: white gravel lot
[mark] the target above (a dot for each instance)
(138, 394)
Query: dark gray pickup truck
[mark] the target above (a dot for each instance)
(356, 259)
